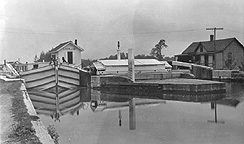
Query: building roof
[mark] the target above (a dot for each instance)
(138, 62)
(167, 65)
(99, 66)
(60, 46)
(124, 62)
(210, 46)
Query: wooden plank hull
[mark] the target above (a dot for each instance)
(53, 89)
(49, 76)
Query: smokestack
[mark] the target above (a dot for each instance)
(118, 52)
(211, 37)
(75, 41)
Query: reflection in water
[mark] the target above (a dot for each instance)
(158, 120)
(103, 99)
(57, 104)
(234, 94)
(214, 107)
(70, 101)
(99, 104)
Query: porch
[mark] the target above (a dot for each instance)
(205, 59)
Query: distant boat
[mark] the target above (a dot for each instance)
(50, 76)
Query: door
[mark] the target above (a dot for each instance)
(206, 60)
(70, 57)
(53, 57)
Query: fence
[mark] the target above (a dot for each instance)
(9, 71)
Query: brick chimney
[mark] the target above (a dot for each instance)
(211, 37)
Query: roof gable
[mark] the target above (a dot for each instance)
(62, 45)
(191, 48)
(211, 46)
(200, 48)
(218, 45)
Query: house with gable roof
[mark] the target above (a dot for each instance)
(220, 54)
(67, 51)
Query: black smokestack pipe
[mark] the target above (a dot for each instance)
(211, 37)
(75, 41)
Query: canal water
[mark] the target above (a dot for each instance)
(98, 117)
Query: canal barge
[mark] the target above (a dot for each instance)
(61, 75)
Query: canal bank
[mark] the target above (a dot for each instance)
(19, 121)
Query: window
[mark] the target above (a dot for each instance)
(201, 48)
(229, 55)
(53, 57)
(35, 66)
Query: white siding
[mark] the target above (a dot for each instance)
(141, 66)
(219, 61)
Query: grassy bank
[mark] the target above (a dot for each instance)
(22, 131)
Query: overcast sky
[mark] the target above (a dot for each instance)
(28, 27)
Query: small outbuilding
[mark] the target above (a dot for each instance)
(67, 52)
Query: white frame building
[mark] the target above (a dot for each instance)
(120, 66)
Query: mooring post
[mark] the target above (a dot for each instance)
(131, 65)
(131, 75)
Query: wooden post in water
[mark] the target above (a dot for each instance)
(131, 75)
(215, 111)
(214, 106)
(132, 114)
(120, 118)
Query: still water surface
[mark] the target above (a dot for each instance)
(94, 117)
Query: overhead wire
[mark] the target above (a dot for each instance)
(29, 31)
(234, 31)
(171, 31)
(39, 32)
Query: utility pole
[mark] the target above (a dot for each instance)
(214, 29)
